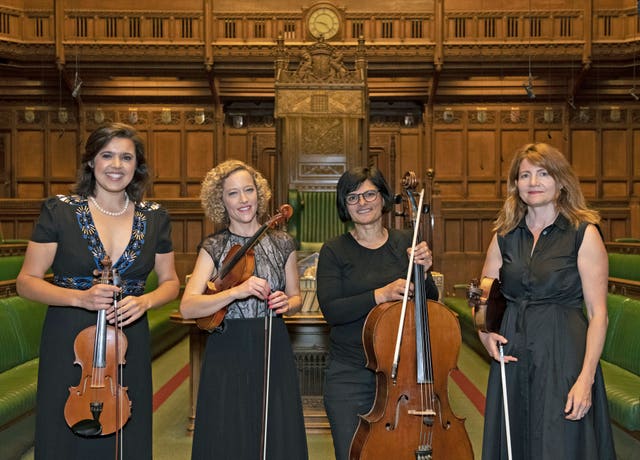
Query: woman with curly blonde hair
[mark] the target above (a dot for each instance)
(550, 257)
(230, 420)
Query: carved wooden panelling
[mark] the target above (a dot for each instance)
(583, 155)
(166, 149)
(322, 136)
(199, 153)
(510, 141)
(30, 155)
(481, 154)
(313, 101)
(237, 147)
(63, 157)
(614, 154)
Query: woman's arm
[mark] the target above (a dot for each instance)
(336, 307)
(31, 284)
(491, 269)
(288, 302)
(593, 265)
(133, 307)
(196, 304)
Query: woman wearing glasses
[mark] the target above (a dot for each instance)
(358, 270)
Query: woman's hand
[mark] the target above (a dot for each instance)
(98, 297)
(422, 255)
(392, 291)
(252, 286)
(129, 309)
(578, 399)
(490, 341)
(279, 302)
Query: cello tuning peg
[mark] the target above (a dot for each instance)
(397, 198)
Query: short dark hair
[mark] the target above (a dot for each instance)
(86, 181)
(351, 180)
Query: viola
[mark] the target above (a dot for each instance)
(237, 267)
(411, 416)
(99, 405)
(487, 303)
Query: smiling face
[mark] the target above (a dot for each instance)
(114, 165)
(365, 212)
(240, 198)
(536, 187)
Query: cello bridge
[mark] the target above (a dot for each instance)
(422, 413)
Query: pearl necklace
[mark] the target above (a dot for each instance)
(110, 213)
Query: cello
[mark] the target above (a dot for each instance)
(411, 416)
(99, 405)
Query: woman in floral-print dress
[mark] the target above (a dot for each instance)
(105, 217)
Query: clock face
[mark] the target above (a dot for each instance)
(324, 22)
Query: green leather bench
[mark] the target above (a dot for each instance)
(10, 267)
(21, 323)
(20, 328)
(621, 361)
(620, 357)
(624, 266)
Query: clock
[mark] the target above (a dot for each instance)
(323, 22)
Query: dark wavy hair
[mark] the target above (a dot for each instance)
(86, 181)
(351, 180)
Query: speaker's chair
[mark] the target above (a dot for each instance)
(315, 218)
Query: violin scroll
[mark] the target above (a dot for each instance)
(487, 303)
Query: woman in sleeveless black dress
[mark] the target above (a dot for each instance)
(230, 415)
(550, 258)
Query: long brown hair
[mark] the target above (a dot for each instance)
(570, 201)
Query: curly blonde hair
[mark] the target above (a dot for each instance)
(212, 185)
(570, 200)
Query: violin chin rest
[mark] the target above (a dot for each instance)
(87, 428)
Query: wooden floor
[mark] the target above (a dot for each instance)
(172, 441)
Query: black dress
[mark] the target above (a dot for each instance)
(229, 413)
(66, 220)
(546, 328)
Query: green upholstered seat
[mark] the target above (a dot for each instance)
(164, 333)
(625, 266)
(10, 267)
(315, 219)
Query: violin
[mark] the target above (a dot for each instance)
(237, 267)
(411, 416)
(99, 405)
(487, 303)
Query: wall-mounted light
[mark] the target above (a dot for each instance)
(29, 114)
(408, 120)
(98, 116)
(548, 115)
(514, 115)
(237, 121)
(133, 115)
(633, 94)
(583, 114)
(199, 117)
(481, 114)
(614, 114)
(165, 116)
(63, 115)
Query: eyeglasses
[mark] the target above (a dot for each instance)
(354, 198)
